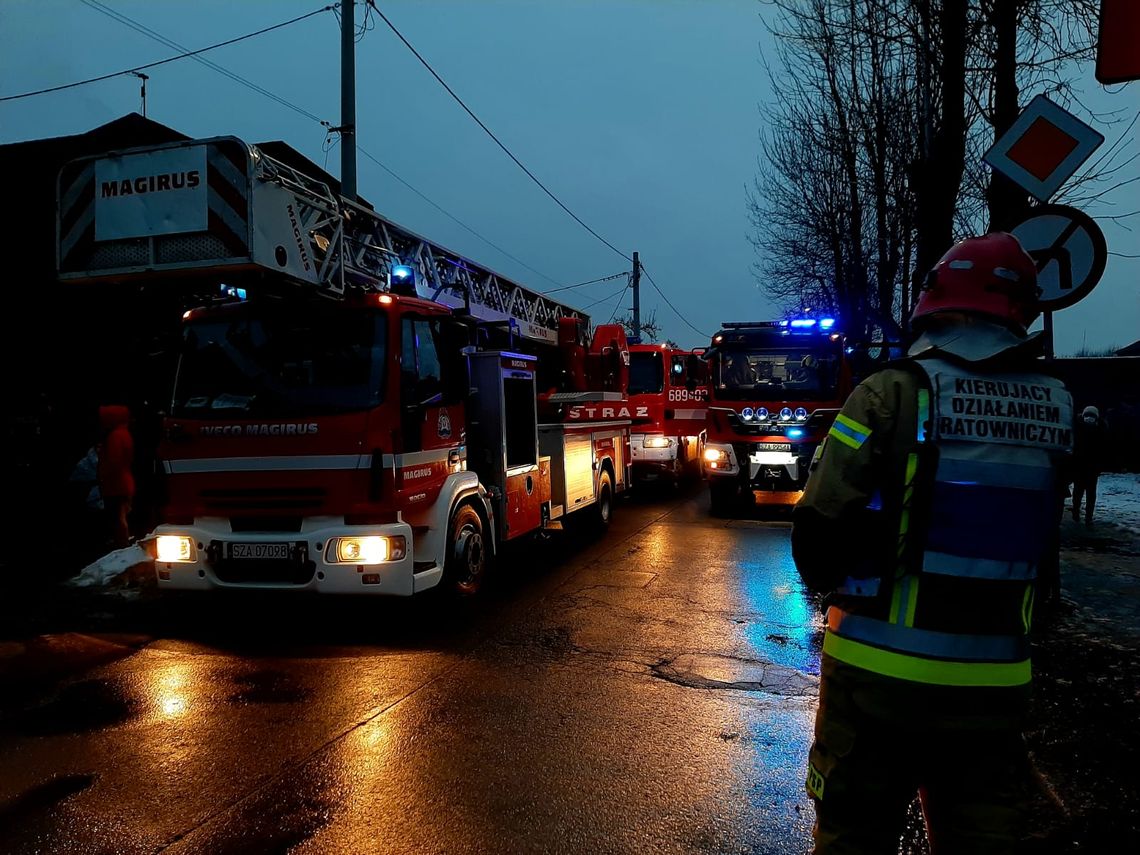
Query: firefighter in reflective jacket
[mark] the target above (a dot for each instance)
(924, 521)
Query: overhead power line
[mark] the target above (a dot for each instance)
(588, 282)
(261, 90)
(670, 304)
(613, 314)
(512, 156)
(237, 78)
(608, 297)
(456, 219)
(491, 133)
(169, 59)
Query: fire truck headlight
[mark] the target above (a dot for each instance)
(173, 549)
(801, 414)
(762, 414)
(747, 414)
(786, 414)
(718, 459)
(657, 442)
(370, 549)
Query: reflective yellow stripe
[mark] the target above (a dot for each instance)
(911, 601)
(1027, 608)
(849, 431)
(904, 600)
(819, 452)
(919, 670)
(923, 413)
(854, 425)
(904, 516)
(844, 438)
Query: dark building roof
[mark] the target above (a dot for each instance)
(31, 168)
(1130, 350)
(71, 336)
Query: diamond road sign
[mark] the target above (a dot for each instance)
(1043, 148)
(1070, 252)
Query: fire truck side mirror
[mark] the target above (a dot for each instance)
(694, 371)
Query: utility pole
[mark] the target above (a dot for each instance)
(636, 283)
(348, 100)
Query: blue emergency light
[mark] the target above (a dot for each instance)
(403, 274)
(802, 325)
(795, 433)
(232, 291)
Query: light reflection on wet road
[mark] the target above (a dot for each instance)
(653, 691)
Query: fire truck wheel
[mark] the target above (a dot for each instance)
(723, 498)
(603, 510)
(465, 569)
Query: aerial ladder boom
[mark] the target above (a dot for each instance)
(221, 206)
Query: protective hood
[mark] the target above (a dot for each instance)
(972, 340)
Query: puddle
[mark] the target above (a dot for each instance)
(708, 671)
(268, 687)
(41, 799)
(79, 707)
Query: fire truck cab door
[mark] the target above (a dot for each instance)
(431, 412)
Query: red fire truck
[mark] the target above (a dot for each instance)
(668, 400)
(775, 388)
(360, 410)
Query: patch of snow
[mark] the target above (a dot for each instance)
(111, 566)
(1118, 499)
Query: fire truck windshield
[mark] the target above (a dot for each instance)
(646, 373)
(799, 373)
(281, 363)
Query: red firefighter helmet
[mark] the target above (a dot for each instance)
(991, 275)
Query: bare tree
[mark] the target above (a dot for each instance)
(871, 148)
(651, 331)
(832, 205)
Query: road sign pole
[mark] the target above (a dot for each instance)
(1048, 318)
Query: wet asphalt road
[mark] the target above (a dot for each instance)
(652, 691)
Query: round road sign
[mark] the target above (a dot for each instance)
(1070, 252)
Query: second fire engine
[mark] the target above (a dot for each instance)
(775, 388)
(668, 400)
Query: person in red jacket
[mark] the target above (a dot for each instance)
(116, 480)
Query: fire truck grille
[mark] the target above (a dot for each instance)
(263, 522)
(189, 248)
(265, 572)
(119, 254)
(264, 499)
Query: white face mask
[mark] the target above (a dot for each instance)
(1090, 420)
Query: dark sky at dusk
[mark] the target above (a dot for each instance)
(641, 115)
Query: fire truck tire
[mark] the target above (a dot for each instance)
(603, 510)
(465, 567)
(723, 498)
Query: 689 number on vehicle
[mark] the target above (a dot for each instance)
(676, 395)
